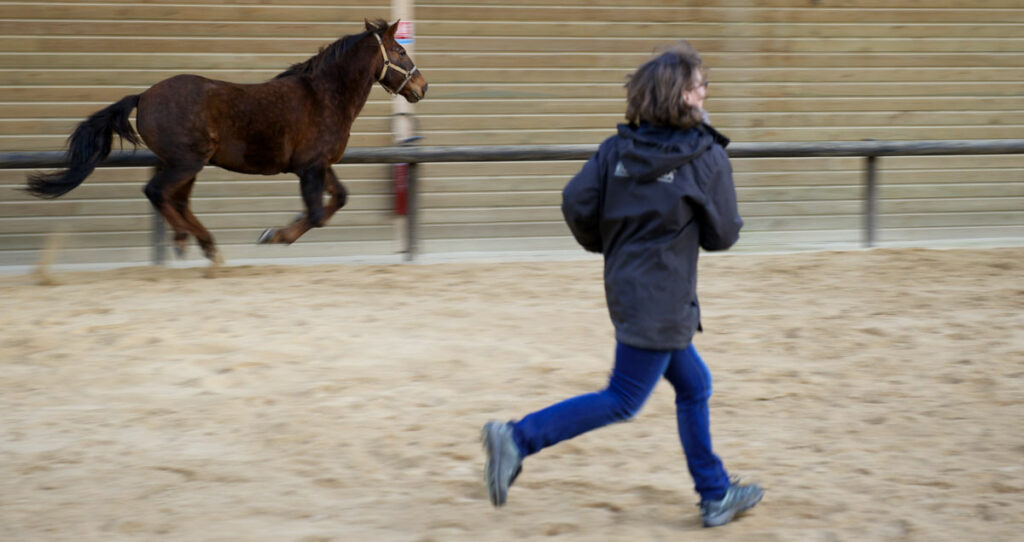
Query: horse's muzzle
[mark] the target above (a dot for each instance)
(414, 95)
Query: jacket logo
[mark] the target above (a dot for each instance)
(668, 177)
(620, 170)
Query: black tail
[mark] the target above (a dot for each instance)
(87, 147)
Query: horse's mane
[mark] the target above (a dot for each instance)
(329, 54)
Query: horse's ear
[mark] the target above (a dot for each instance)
(392, 29)
(371, 27)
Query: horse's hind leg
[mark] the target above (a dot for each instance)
(179, 199)
(313, 182)
(168, 191)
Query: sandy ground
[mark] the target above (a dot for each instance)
(876, 395)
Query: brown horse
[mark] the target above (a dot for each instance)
(298, 122)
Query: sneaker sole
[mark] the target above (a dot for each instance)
(497, 494)
(726, 518)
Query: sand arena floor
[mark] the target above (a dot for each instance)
(876, 395)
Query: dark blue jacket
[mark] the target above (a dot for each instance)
(648, 200)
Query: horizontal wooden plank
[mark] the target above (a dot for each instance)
(200, 206)
(587, 136)
(901, 169)
(215, 59)
(953, 163)
(888, 4)
(81, 110)
(1011, 233)
(853, 238)
(509, 13)
(231, 253)
(891, 220)
(508, 44)
(497, 244)
(741, 4)
(330, 30)
(352, 16)
(748, 14)
(213, 221)
(724, 121)
(56, 142)
(518, 191)
(952, 205)
(770, 213)
(242, 188)
(971, 190)
(212, 176)
(511, 176)
(593, 136)
(1013, 90)
(611, 108)
(178, 63)
(731, 90)
(64, 127)
(718, 60)
(670, 31)
(716, 105)
(960, 219)
(938, 179)
(76, 240)
(752, 186)
(498, 215)
(725, 44)
(105, 94)
(893, 206)
(201, 4)
(440, 76)
(73, 240)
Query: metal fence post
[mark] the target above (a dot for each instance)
(159, 235)
(870, 201)
(412, 216)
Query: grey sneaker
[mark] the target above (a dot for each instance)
(737, 499)
(503, 460)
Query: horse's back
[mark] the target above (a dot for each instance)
(194, 118)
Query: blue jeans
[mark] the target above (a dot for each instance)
(636, 372)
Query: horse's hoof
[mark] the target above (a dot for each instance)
(266, 237)
(214, 256)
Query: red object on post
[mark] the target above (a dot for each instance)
(401, 176)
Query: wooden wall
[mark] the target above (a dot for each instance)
(530, 72)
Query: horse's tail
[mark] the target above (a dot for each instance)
(87, 147)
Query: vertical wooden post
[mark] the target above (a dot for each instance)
(403, 130)
(870, 201)
(159, 235)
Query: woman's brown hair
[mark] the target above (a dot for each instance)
(654, 93)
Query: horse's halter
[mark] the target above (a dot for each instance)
(388, 64)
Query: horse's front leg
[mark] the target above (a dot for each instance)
(311, 184)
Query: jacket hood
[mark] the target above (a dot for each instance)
(647, 152)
